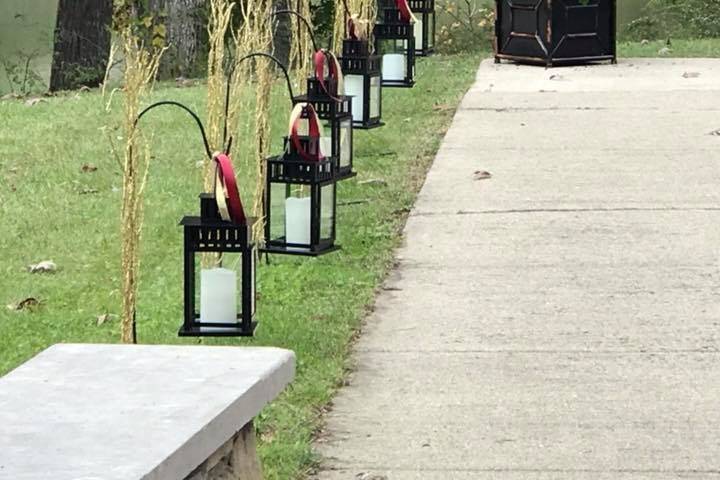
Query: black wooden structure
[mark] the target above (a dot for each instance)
(552, 32)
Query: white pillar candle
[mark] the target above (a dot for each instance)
(218, 295)
(297, 220)
(354, 87)
(418, 28)
(393, 66)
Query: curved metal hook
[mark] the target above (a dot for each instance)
(232, 71)
(192, 114)
(307, 24)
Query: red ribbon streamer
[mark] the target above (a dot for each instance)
(320, 58)
(313, 131)
(405, 12)
(225, 175)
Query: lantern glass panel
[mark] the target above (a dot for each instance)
(327, 211)
(375, 86)
(290, 213)
(297, 205)
(430, 31)
(253, 294)
(326, 144)
(345, 142)
(219, 296)
(277, 210)
(394, 63)
(418, 30)
(355, 87)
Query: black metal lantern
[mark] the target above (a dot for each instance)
(325, 94)
(219, 238)
(336, 112)
(424, 26)
(395, 43)
(363, 82)
(226, 295)
(551, 32)
(300, 201)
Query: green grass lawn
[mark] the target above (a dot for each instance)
(51, 210)
(704, 48)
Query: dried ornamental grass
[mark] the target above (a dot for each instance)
(363, 14)
(254, 35)
(218, 23)
(141, 66)
(301, 47)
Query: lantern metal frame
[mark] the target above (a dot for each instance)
(426, 10)
(402, 35)
(291, 169)
(555, 32)
(356, 60)
(208, 233)
(335, 111)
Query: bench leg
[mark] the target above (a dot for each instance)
(245, 461)
(236, 460)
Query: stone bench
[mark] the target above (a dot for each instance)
(127, 412)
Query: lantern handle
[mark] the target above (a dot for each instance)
(304, 20)
(227, 88)
(190, 112)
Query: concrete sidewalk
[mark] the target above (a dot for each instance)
(560, 320)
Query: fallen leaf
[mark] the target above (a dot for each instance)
(441, 107)
(26, 304)
(46, 266)
(482, 175)
(715, 132)
(105, 317)
(691, 74)
(88, 190)
(34, 101)
(557, 77)
(88, 167)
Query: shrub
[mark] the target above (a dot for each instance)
(464, 25)
(678, 19)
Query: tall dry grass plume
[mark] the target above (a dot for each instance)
(263, 88)
(140, 69)
(218, 23)
(253, 35)
(363, 12)
(301, 49)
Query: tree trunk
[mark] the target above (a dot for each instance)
(82, 43)
(185, 37)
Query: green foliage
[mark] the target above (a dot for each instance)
(20, 75)
(464, 26)
(148, 26)
(676, 19)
